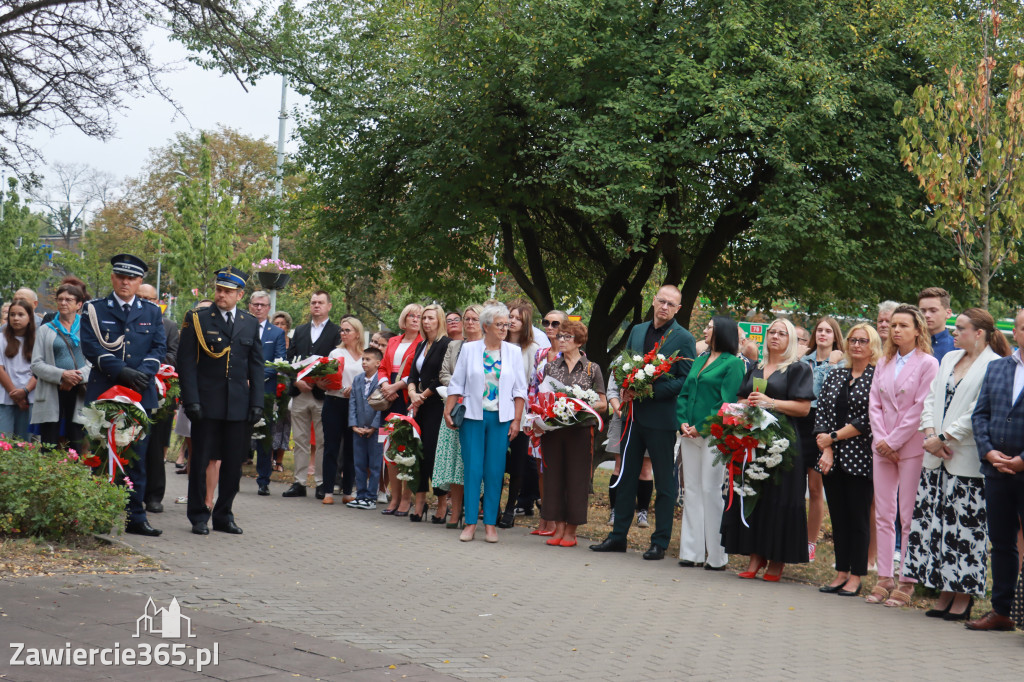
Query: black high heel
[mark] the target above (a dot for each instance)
(438, 520)
(966, 615)
(416, 518)
(507, 520)
(455, 524)
(939, 613)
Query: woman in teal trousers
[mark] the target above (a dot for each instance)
(714, 379)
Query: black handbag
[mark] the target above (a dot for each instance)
(457, 414)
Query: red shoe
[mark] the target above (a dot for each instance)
(774, 577)
(535, 531)
(554, 542)
(750, 575)
(568, 543)
(546, 533)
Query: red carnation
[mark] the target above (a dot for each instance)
(401, 448)
(281, 388)
(91, 461)
(716, 430)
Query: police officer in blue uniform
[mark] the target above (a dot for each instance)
(123, 337)
(220, 370)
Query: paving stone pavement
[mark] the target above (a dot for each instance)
(521, 610)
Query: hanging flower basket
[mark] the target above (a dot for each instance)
(274, 274)
(273, 280)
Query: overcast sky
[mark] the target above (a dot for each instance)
(207, 99)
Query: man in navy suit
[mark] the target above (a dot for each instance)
(123, 337)
(273, 349)
(998, 422)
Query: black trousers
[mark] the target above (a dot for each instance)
(429, 417)
(849, 506)
(518, 454)
(51, 432)
(156, 476)
(227, 441)
(1004, 504)
(337, 443)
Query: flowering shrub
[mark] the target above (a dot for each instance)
(48, 493)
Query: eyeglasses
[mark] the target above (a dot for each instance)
(778, 332)
(413, 316)
(565, 337)
(501, 325)
(259, 305)
(803, 339)
(658, 300)
(69, 301)
(347, 331)
(470, 320)
(453, 320)
(551, 323)
(858, 342)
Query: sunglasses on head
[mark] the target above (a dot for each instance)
(551, 323)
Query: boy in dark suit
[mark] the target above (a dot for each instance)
(368, 451)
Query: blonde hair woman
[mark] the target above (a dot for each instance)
(843, 435)
(394, 376)
(337, 434)
(428, 406)
(776, 530)
(902, 382)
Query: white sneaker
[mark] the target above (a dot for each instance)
(354, 504)
(367, 504)
(641, 519)
(382, 497)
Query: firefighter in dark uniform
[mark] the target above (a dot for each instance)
(220, 371)
(123, 337)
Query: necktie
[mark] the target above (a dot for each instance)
(227, 316)
(126, 307)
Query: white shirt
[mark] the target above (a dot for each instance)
(353, 368)
(121, 301)
(1018, 375)
(18, 369)
(315, 330)
(899, 363)
(233, 312)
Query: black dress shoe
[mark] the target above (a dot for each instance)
(141, 528)
(154, 507)
(228, 527)
(686, 563)
(830, 589)
(264, 490)
(320, 494)
(654, 553)
(200, 528)
(297, 490)
(609, 545)
(709, 567)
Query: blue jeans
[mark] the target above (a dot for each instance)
(14, 421)
(368, 454)
(484, 442)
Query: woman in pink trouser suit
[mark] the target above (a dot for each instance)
(902, 381)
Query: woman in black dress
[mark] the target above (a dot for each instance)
(777, 532)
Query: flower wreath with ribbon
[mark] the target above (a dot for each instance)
(404, 447)
(114, 422)
(755, 445)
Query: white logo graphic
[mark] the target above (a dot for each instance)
(165, 622)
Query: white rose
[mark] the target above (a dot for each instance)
(661, 358)
(626, 367)
(649, 370)
(638, 358)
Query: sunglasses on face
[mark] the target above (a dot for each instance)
(551, 323)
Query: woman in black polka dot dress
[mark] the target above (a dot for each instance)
(843, 435)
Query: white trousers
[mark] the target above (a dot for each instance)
(703, 506)
(306, 415)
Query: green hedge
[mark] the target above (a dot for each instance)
(49, 493)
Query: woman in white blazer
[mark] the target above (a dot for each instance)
(490, 378)
(948, 539)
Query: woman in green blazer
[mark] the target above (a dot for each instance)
(713, 380)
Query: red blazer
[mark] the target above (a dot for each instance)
(387, 366)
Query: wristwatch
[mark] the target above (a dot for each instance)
(834, 436)
(942, 437)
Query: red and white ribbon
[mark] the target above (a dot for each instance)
(165, 373)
